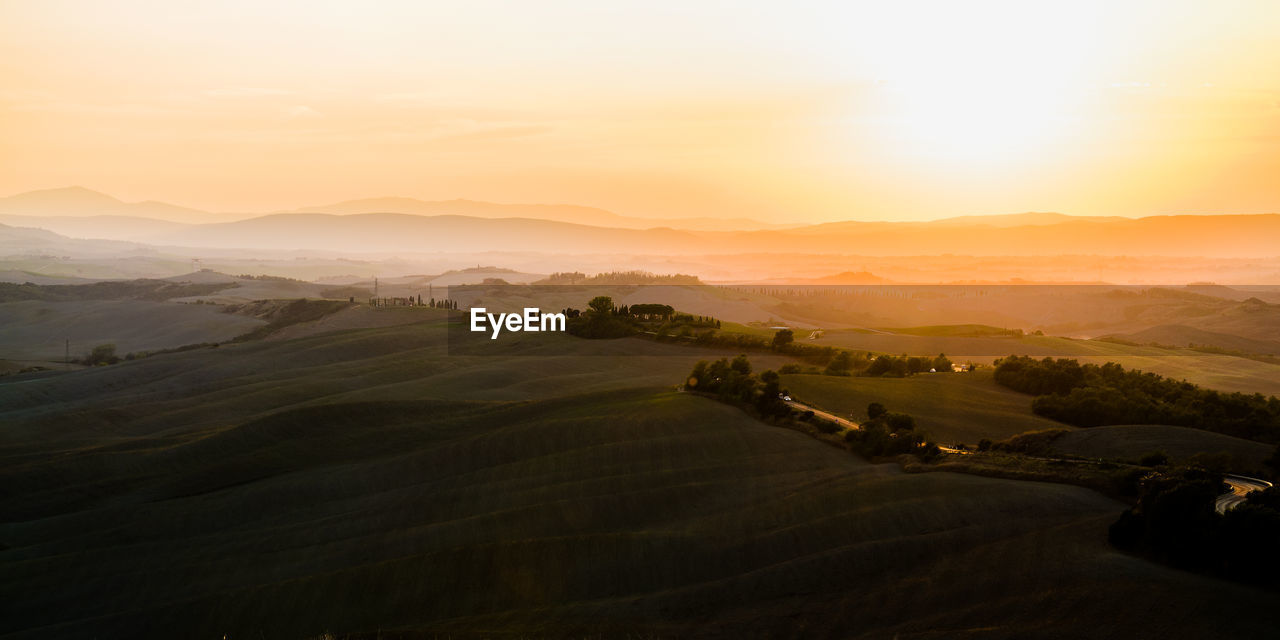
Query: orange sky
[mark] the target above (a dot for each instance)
(796, 113)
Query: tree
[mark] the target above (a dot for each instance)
(601, 304)
(880, 366)
(782, 338)
(102, 354)
(741, 365)
(875, 410)
(900, 422)
(942, 362)
(840, 365)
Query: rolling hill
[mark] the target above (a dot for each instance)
(391, 232)
(950, 407)
(364, 482)
(555, 212)
(1131, 442)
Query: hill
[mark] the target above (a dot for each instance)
(389, 232)
(556, 212)
(1182, 336)
(38, 330)
(1170, 236)
(105, 227)
(81, 202)
(25, 241)
(950, 407)
(1131, 442)
(325, 484)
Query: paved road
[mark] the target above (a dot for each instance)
(1240, 487)
(849, 424)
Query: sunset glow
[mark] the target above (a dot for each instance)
(810, 113)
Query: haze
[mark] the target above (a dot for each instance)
(783, 114)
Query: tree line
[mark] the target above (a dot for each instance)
(1088, 395)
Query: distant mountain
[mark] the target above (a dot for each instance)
(106, 227)
(468, 226)
(380, 233)
(81, 202)
(24, 241)
(557, 212)
(78, 210)
(393, 232)
(845, 278)
(1207, 236)
(1028, 219)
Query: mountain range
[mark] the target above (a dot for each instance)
(425, 227)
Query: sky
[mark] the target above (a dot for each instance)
(787, 112)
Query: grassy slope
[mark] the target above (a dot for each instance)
(365, 480)
(952, 407)
(36, 329)
(1223, 372)
(1131, 442)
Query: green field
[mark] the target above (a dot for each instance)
(365, 480)
(950, 407)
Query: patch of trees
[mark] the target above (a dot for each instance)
(732, 381)
(1091, 395)
(887, 433)
(902, 366)
(647, 311)
(600, 320)
(1175, 522)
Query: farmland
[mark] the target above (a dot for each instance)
(950, 407)
(363, 480)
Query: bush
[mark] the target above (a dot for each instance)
(827, 426)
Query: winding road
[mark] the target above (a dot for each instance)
(1240, 488)
(849, 424)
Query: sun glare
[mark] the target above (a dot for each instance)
(984, 86)
(975, 121)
